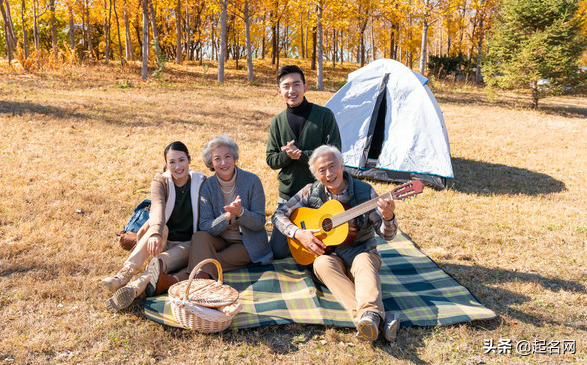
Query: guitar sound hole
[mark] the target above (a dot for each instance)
(327, 225)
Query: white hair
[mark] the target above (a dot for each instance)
(214, 143)
(321, 151)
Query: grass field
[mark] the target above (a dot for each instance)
(79, 149)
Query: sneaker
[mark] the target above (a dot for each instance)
(159, 281)
(119, 280)
(368, 326)
(390, 327)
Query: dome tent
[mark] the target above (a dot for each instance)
(391, 126)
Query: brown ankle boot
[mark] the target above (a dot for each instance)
(159, 281)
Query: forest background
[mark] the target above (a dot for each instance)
(410, 31)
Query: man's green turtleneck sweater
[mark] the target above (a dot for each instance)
(316, 126)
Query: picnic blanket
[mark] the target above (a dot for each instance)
(413, 286)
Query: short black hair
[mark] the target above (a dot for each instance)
(290, 69)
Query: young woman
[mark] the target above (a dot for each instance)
(232, 217)
(169, 232)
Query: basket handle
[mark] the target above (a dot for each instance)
(197, 269)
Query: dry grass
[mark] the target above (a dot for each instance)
(80, 146)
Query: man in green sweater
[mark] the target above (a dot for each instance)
(293, 135)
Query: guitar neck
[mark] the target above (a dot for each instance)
(354, 212)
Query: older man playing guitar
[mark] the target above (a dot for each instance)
(349, 270)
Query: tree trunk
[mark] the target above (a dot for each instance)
(155, 31)
(341, 47)
(302, 48)
(319, 76)
(25, 36)
(90, 47)
(145, 48)
(263, 50)
(118, 31)
(136, 25)
(273, 44)
(8, 29)
(286, 43)
(535, 95)
(334, 48)
(178, 33)
(478, 77)
(361, 55)
(314, 35)
(53, 29)
(250, 75)
(392, 43)
(423, 47)
(373, 48)
(128, 48)
(306, 41)
(71, 34)
(277, 48)
(107, 23)
(36, 24)
(188, 36)
(223, 42)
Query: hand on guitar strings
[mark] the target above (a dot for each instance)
(292, 151)
(233, 209)
(310, 241)
(386, 208)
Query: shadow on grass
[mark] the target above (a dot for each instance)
(548, 106)
(485, 178)
(18, 108)
(105, 114)
(127, 116)
(482, 282)
(568, 111)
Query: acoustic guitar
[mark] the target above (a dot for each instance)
(336, 220)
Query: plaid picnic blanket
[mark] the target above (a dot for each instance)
(413, 286)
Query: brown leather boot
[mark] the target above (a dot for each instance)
(159, 281)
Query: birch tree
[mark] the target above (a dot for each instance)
(223, 40)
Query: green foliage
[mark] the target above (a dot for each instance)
(161, 61)
(535, 40)
(125, 84)
(444, 65)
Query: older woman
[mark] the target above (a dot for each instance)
(232, 216)
(168, 234)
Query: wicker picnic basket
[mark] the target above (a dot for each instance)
(195, 302)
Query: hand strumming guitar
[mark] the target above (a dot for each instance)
(312, 243)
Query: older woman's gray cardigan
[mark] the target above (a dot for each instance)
(251, 223)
